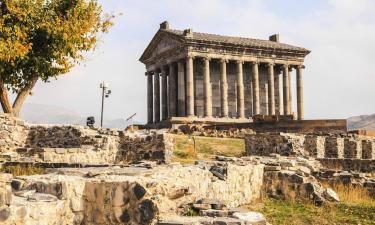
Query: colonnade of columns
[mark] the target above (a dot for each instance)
(176, 95)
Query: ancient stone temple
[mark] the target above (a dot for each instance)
(212, 77)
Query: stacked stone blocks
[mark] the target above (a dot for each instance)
(76, 144)
(344, 146)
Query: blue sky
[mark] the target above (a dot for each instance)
(339, 77)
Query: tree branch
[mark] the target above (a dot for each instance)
(21, 97)
(4, 99)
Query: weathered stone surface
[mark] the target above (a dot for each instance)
(311, 145)
(5, 189)
(272, 168)
(334, 147)
(368, 149)
(298, 184)
(40, 197)
(134, 195)
(331, 195)
(200, 206)
(213, 213)
(4, 214)
(352, 148)
(253, 218)
(283, 143)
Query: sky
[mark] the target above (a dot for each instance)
(339, 79)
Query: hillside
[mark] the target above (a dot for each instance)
(46, 114)
(365, 122)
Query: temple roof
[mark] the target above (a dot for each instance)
(240, 41)
(167, 39)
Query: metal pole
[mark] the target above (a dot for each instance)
(101, 117)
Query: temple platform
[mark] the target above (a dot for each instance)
(260, 124)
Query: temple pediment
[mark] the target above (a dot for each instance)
(161, 43)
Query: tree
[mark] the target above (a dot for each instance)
(42, 39)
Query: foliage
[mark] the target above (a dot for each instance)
(41, 39)
(191, 212)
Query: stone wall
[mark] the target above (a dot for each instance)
(13, 132)
(130, 195)
(149, 146)
(312, 145)
(288, 126)
(358, 165)
(77, 144)
(5, 195)
(283, 144)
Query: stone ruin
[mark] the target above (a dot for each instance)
(101, 176)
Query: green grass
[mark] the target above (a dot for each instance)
(206, 148)
(288, 213)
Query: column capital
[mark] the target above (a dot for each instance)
(190, 56)
(156, 71)
(163, 71)
(255, 62)
(285, 66)
(271, 64)
(301, 67)
(224, 60)
(206, 58)
(240, 61)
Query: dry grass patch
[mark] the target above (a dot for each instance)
(351, 194)
(22, 170)
(356, 207)
(287, 213)
(189, 150)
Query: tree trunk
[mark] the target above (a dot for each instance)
(21, 97)
(4, 99)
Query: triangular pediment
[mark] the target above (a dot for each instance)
(161, 43)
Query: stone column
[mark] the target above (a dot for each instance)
(156, 97)
(266, 97)
(256, 102)
(286, 89)
(189, 86)
(290, 90)
(224, 88)
(300, 107)
(278, 94)
(181, 91)
(207, 88)
(164, 94)
(172, 90)
(251, 96)
(150, 99)
(240, 91)
(271, 90)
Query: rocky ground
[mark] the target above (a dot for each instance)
(76, 175)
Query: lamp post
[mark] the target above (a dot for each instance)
(105, 94)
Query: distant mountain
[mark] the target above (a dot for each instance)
(364, 122)
(46, 114)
